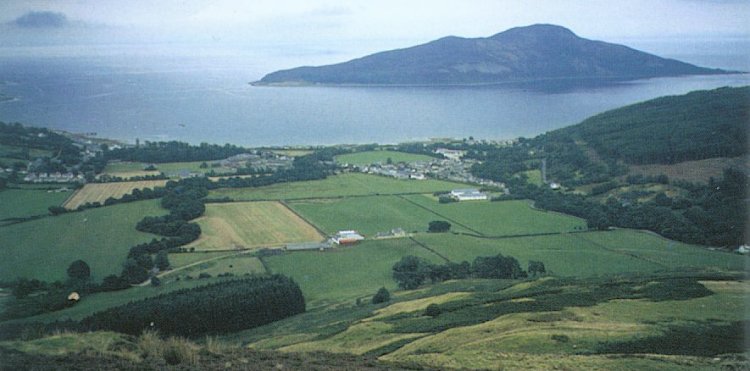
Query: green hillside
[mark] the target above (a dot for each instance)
(667, 130)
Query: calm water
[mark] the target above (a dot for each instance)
(129, 94)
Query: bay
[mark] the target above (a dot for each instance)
(194, 96)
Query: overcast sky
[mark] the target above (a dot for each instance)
(344, 24)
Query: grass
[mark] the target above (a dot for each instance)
(533, 177)
(672, 254)
(171, 169)
(564, 254)
(251, 224)
(357, 339)
(44, 248)
(367, 215)
(505, 218)
(337, 186)
(100, 192)
(372, 157)
(348, 272)
(19, 203)
(237, 265)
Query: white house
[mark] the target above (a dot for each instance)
(468, 194)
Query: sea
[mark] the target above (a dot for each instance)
(197, 95)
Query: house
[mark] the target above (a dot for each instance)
(554, 186)
(744, 249)
(451, 154)
(468, 194)
(347, 237)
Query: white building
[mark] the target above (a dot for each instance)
(347, 237)
(468, 194)
(451, 154)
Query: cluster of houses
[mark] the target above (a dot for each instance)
(258, 160)
(452, 168)
(54, 178)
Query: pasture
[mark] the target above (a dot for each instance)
(171, 169)
(501, 218)
(22, 203)
(100, 192)
(367, 215)
(251, 224)
(234, 264)
(350, 184)
(381, 157)
(348, 272)
(44, 248)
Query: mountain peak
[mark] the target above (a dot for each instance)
(539, 30)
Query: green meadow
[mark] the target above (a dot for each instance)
(44, 248)
(22, 203)
(372, 157)
(501, 218)
(343, 185)
(348, 272)
(368, 215)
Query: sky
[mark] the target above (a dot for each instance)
(356, 26)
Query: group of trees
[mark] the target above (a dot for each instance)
(173, 151)
(218, 308)
(184, 200)
(710, 214)
(412, 271)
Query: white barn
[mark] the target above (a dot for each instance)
(468, 194)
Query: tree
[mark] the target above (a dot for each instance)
(155, 281)
(497, 267)
(134, 273)
(57, 210)
(410, 272)
(536, 268)
(162, 260)
(438, 226)
(79, 270)
(432, 310)
(381, 296)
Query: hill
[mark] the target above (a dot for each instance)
(696, 126)
(522, 54)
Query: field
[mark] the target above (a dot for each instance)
(693, 171)
(171, 169)
(372, 157)
(20, 203)
(99, 192)
(533, 176)
(506, 218)
(367, 215)
(346, 273)
(44, 248)
(251, 224)
(337, 186)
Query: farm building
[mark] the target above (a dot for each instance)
(347, 237)
(308, 246)
(393, 233)
(468, 194)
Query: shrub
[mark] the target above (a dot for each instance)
(432, 310)
(381, 296)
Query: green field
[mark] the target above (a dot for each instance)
(533, 176)
(171, 169)
(19, 203)
(504, 218)
(372, 157)
(652, 247)
(44, 248)
(336, 186)
(368, 215)
(348, 272)
(234, 264)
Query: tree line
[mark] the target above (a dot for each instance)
(411, 271)
(173, 151)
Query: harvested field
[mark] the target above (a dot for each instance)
(251, 224)
(99, 192)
